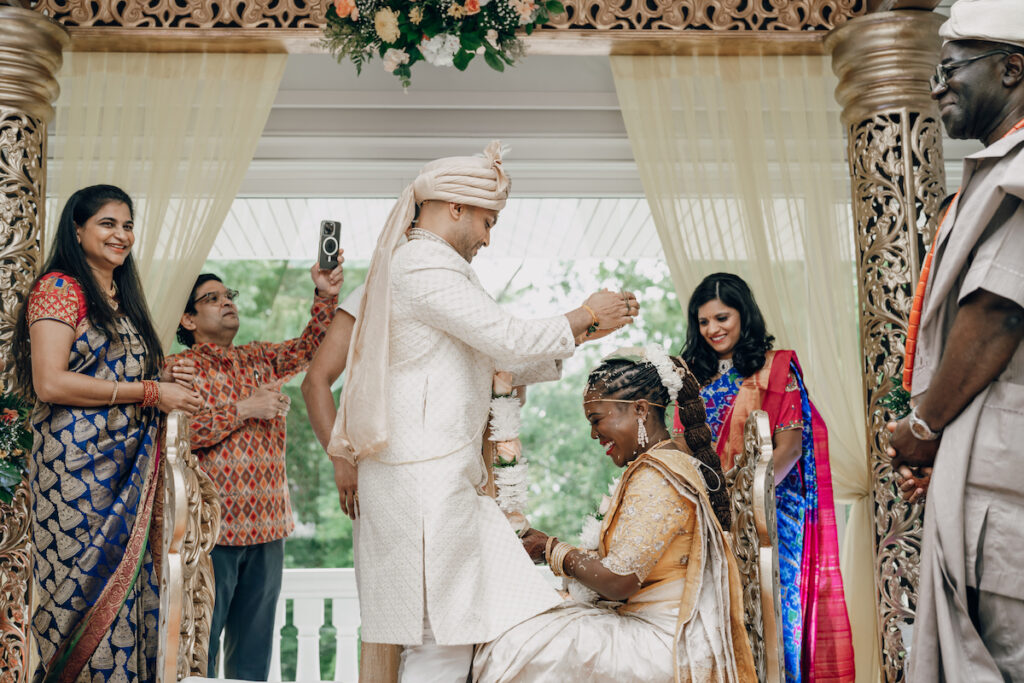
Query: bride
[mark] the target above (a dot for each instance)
(658, 598)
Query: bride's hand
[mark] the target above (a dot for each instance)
(534, 542)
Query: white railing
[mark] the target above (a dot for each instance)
(308, 591)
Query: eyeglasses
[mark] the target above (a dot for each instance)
(216, 297)
(943, 71)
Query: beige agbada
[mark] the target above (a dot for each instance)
(974, 514)
(361, 428)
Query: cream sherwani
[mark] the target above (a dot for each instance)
(426, 530)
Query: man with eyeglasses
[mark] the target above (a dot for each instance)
(965, 368)
(239, 439)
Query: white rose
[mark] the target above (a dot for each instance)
(394, 58)
(440, 50)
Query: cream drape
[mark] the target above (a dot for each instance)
(742, 162)
(177, 133)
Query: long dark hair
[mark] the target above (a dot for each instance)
(629, 380)
(749, 355)
(66, 256)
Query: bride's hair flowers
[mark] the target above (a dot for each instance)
(441, 32)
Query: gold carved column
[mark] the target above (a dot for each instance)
(894, 146)
(30, 56)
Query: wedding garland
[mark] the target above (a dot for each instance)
(511, 471)
(590, 538)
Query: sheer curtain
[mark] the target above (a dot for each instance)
(175, 131)
(742, 162)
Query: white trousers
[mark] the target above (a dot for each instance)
(433, 663)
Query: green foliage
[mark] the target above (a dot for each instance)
(569, 471)
(442, 32)
(15, 444)
(897, 401)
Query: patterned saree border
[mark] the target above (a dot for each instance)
(68, 662)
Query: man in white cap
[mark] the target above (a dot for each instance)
(439, 567)
(966, 367)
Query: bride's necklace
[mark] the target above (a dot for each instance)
(724, 366)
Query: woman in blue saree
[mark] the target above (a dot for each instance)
(86, 351)
(730, 352)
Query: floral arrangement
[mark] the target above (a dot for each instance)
(590, 537)
(441, 32)
(511, 471)
(15, 443)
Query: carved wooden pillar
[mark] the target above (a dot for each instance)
(894, 144)
(30, 56)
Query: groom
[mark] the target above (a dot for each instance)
(439, 568)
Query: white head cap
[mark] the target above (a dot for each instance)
(997, 21)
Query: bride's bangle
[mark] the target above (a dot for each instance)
(547, 549)
(558, 555)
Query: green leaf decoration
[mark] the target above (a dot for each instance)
(554, 7)
(493, 61)
(462, 59)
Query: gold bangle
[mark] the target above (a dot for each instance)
(558, 555)
(547, 548)
(113, 396)
(595, 322)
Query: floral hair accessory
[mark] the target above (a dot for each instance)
(670, 378)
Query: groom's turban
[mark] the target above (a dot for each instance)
(360, 430)
(997, 21)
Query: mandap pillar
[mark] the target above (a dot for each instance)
(894, 148)
(30, 56)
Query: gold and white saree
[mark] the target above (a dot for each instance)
(685, 624)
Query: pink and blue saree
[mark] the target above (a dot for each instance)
(816, 627)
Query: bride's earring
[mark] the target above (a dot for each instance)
(641, 433)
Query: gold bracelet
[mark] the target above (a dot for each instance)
(547, 548)
(113, 396)
(595, 322)
(558, 555)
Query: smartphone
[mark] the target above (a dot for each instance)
(330, 233)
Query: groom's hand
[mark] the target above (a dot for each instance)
(534, 542)
(602, 313)
(346, 478)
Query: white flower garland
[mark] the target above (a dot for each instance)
(511, 473)
(590, 537)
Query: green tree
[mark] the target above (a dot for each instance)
(569, 471)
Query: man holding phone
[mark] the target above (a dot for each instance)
(239, 439)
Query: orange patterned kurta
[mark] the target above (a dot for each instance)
(245, 459)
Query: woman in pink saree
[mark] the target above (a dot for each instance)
(730, 352)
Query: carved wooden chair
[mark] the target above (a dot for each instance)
(755, 542)
(191, 510)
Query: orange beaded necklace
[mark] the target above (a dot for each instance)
(915, 310)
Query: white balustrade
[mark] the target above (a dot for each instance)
(309, 590)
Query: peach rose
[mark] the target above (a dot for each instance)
(345, 8)
(472, 6)
(509, 451)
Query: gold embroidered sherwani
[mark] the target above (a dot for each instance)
(425, 528)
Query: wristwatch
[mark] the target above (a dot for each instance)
(920, 429)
